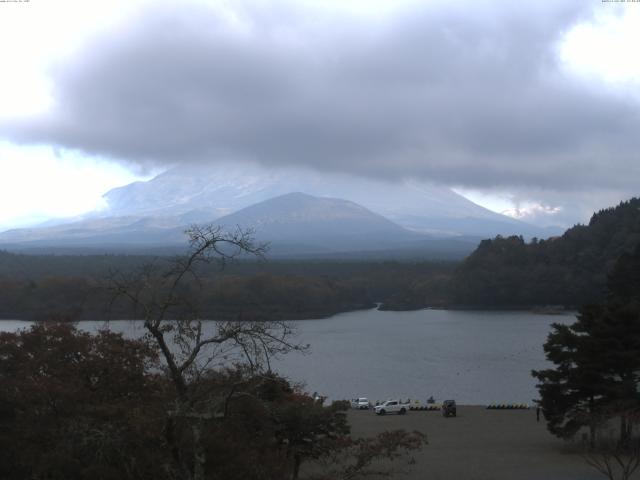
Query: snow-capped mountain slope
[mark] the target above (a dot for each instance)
(220, 190)
(336, 213)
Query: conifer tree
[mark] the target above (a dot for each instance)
(597, 360)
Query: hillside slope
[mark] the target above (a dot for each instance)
(568, 270)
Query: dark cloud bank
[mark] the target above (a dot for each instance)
(468, 95)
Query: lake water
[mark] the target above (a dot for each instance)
(473, 357)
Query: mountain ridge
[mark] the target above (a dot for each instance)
(422, 207)
(295, 224)
(407, 216)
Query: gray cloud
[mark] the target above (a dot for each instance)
(465, 95)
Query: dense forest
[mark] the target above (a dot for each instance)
(35, 287)
(570, 270)
(504, 272)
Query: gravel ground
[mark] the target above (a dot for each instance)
(481, 444)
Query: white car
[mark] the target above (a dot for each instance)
(361, 403)
(392, 406)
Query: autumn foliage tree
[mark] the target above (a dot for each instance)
(76, 405)
(81, 406)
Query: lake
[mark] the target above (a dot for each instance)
(473, 357)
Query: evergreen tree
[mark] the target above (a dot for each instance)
(597, 360)
(572, 392)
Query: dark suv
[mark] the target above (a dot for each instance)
(449, 408)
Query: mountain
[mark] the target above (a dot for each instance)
(297, 222)
(311, 217)
(213, 192)
(294, 224)
(336, 214)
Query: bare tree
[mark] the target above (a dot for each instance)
(616, 455)
(165, 295)
(614, 461)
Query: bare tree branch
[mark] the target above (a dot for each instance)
(159, 294)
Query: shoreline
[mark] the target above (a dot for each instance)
(565, 311)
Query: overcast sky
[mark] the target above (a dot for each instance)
(529, 108)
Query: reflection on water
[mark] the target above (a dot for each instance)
(473, 357)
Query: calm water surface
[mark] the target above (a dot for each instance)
(473, 357)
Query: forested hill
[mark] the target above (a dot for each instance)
(570, 270)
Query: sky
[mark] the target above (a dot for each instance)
(529, 108)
